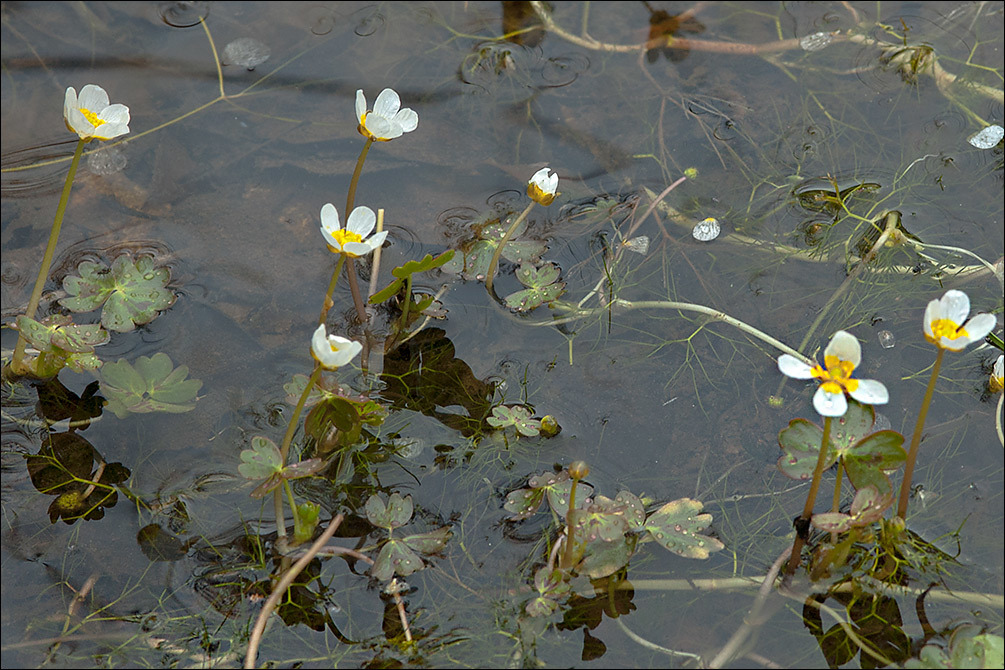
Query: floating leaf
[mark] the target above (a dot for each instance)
(152, 385)
(262, 460)
(867, 507)
(61, 343)
(523, 503)
(395, 557)
(516, 416)
(551, 588)
(132, 293)
(428, 543)
(397, 512)
(542, 286)
(677, 525)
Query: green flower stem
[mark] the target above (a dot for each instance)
(569, 555)
(331, 290)
(277, 496)
(811, 497)
(912, 454)
(490, 274)
(836, 504)
(350, 200)
(50, 250)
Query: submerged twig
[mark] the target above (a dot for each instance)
(280, 588)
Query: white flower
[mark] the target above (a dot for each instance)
(543, 188)
(841, 357)
(944, 325)
(350, 241)
(387, 120)
(997, 381)
(332, 351)
(90, 115)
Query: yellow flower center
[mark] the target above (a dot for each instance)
(342, 236)
(535, 193)
(948, 329)
(92, 117)
(836, 378)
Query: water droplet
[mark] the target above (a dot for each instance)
(987, 138)
(816, 41)
(183, 14)
(247, 52)
(886, 339)
(677, 527)
(706, 230)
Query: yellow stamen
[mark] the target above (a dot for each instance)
(948, 329)
(92, 117)
(342, 236)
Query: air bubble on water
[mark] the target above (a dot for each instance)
(706, 230)
(183, 14)
(987, 138)
(816, 41)
(246, 51)
(886, 339)
(106, 161)
(408, 447)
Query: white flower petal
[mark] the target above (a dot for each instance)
(361, 221)
(332, 351)
(829, 404)
(92, 97)
(360, 105)
(357, 249)
(380, 127)
(931, 314)
(378, 239)
(407, 119)
(387, 103)
(955, 306)
(790, 366)
(329, 218)
(978, 327)
(116, 113)
(845, 346)
(871, 392)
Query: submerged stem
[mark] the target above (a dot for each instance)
(50, 250)
(284, 450)
(811, 498)
(912, 454)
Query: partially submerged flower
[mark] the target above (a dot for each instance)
(332, 351)
(944, 325)
(352, 240)
(543, 188)
(90, 115)
(386, 120)
(842, 355)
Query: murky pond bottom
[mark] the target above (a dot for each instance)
(622, 329)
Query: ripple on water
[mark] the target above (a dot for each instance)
(183, 14)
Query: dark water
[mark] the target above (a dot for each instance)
(658, 401)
